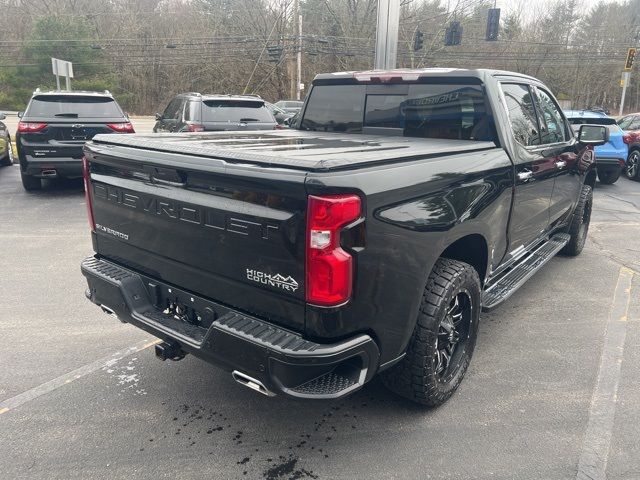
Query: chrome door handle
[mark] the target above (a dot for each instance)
(561, 164)
(525, 175)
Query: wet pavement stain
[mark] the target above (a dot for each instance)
(274, 460)
(286, 469)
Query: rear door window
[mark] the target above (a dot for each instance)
(522, 115)
(235, 111)
(66, 106)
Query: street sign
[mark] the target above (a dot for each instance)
(631, 56)
(624, 80)
(62, 68)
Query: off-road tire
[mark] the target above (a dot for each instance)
(632, 169)
(579, 226)
(30, 183)
(415, 377)
(609, 177)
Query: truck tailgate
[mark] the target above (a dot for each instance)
(232, 233)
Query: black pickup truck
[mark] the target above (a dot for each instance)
(365, 240)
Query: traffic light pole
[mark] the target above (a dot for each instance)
(387, 34)
(627, 77)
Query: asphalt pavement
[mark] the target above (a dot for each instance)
(554, 383)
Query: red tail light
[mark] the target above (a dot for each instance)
(195, 127)
(124, 127)
(627, 138)
(29, 127)
(87, 192)
(278, 127)
(329, 267)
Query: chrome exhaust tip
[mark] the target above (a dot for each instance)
(251, 383)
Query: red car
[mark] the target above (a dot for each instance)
(631, 126)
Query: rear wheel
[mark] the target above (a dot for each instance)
(30, 183)
(609, 177)
(442, 343)
(579, 226)
(632, 170)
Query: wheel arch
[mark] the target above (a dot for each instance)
(590, 178)
(472, 249)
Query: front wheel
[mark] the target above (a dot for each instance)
(632, 170)
(609, 176)
(579, 226)
(444, 337)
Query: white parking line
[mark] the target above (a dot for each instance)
(597, 440)
(67, 378)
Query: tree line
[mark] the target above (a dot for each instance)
(148, 50)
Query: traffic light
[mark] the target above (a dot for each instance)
(275, 53)
(631, 56)
(493, 25)
(453, 34)
(418, 40)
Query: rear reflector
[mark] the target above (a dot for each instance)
(329, 267)
(195, 127)
(30, 127)
(124, 127)
(86, 175)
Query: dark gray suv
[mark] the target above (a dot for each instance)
(55, 127)
(194, 112)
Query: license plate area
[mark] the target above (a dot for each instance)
(184, 306)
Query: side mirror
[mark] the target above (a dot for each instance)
(593, 135)
(20, 114)
(158, 116)
(2, 116)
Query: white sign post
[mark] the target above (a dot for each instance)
(62, 67)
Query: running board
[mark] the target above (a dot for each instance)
(522, 271)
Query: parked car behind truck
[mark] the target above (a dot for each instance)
(194, 112)
(55, 126)
(6, 151)
(610, 157)
(365, 240)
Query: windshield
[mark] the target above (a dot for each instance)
(73, 107)
(235, 111)
(425, 111)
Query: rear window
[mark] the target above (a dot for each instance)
(235, 111)
(73, 107)
(425, 111)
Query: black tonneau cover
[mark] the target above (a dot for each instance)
(311, 151)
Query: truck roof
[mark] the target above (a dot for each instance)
(416, 74)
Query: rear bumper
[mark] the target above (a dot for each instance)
(51, 167)
(609, 163)
(282, 361)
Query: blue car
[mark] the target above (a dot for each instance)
(610, 157)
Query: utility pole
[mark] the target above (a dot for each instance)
(299, 59)
(387, 34)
